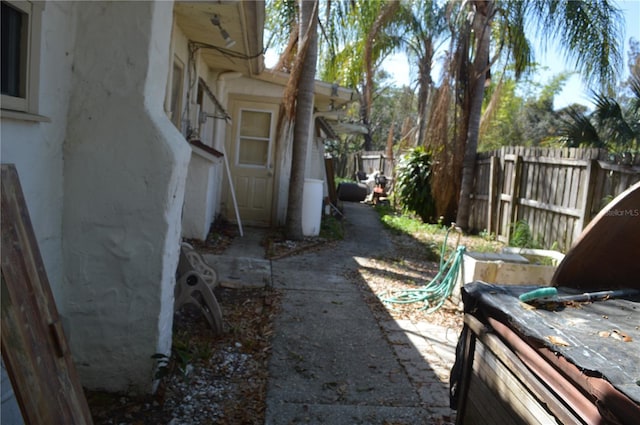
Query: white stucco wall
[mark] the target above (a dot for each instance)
(36, 147)
(197, 215)
(201, 207)
(125, 165)
(252, 87)
(36, 150)
(202, 192)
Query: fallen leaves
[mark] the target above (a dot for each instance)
(615, 334)
(557, 340)
(224, 378)
(378, 275)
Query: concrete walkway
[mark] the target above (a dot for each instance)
(332, 361)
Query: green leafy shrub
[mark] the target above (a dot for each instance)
(521, 236)
(414, 184)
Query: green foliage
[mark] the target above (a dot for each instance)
(339, 180)
(282, 13)
(615, 122)
(521, 236)
(414, 184)
(331, 228)
(180, 357)
(184, 351)
(489, 237)
(580, 131)
(523, 113)
(612, 125)
(401, 223)
(540, 260)
(501, 126)
(412, 226)
(432, 235)
(345, 32)
(392, 106)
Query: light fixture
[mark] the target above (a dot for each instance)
(228, 41)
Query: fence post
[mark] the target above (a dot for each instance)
(515, 194)
(494, 165)
(330, 175)
(587, 198)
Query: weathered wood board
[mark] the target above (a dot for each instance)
(535, 366)
(34, 347)
(555, 191)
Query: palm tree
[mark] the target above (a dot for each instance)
(282, 18)
(359, 27)
(372, 52)
(611, 126)
(426, 27)
(587, 31)
(359, 38)
(299, 95)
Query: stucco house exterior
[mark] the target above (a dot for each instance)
(254, 190)
(101, 100)
(240, 167)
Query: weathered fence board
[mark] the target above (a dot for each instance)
(346, 166)
(34, 347)
(555, 191)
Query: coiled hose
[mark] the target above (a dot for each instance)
(434, 293)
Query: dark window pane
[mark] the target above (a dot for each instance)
(13, 51)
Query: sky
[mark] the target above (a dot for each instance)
(574, 90)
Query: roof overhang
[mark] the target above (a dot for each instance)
(242, 20)
(330, 101)
(328, 97)
(348, 128)
(333, 127)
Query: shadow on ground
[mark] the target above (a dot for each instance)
(339, 356)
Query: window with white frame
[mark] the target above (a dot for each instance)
(254, 141)
(177, 80)
(20, 55)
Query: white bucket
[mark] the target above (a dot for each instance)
(311, 207)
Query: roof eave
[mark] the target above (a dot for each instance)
(341, 95)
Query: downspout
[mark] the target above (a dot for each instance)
(219, 132)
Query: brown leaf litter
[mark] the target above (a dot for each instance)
(222, 379)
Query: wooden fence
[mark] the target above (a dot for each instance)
(347, 166)
(555, 191)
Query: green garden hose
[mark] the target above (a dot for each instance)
(435, 292)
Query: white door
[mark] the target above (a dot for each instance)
(251, 148)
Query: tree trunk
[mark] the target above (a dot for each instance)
(425, 84)
(303, 115)
(481, 24)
